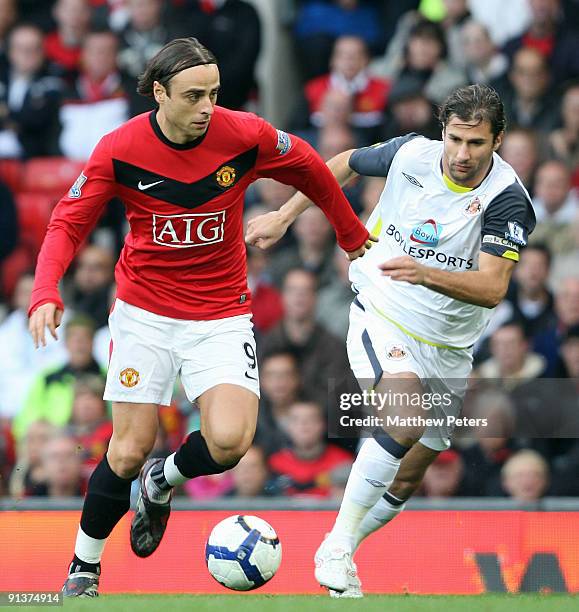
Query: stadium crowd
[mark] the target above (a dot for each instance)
(369, 71)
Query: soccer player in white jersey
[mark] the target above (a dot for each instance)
(451, 221)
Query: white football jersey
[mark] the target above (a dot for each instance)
(421, 215)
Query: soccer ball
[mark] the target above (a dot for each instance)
(243, 552)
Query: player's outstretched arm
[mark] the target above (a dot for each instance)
(265, 230)
(486, 286)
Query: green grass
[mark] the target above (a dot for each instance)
(315, 603)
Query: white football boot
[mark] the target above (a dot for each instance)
(354, 590)
(333, 564)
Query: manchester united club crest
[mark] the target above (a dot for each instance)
(225, 176)
(129, 377)
(473, 208)
(397, 352)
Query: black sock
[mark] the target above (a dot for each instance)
(78, 565)
(106, 502)
(194, 459)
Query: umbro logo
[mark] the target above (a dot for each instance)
(412, 180)
(149, 185)
(376, 483)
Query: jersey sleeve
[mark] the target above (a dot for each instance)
(507, 222)
(71, 222)
(377, 159)
(290, 160)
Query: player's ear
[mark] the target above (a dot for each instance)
(498, 141)
(159, 92)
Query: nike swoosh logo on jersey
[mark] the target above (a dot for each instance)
(248, 376)
(148, 185)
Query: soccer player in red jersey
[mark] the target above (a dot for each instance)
(182, 304)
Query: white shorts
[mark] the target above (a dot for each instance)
(377, 346)
(149, 350)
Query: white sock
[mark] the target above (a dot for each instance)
(371, 475)
(88, 549)
(172, 474)
(378, 516)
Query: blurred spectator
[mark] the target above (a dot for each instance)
(29, 98)
(511, 362)
(530, 299)
(457, 15)
(504, 20)
(419, 50)
(21, 362)
(319, 23)
(409, 110)
(251, 475)
(334, 139)
(232, 30)
(8, 17)
(62, 467)
(113, 14)
(526, 95)
(266, 299)
(556, 207)
(566, 264)
(96, 103)
(493, 445)
(525, 476)
(89, 422)
(144, 35)
(483, 62)
(520, 149)
(63, 45)
(547, 342)
(570, 352)
(28, 475)
(320, 355)
(9, 230)
(269, 193)
(304, 468)
(335, 299)
(313, 251)
(549, 35)
(564, 141)
(348, 74)
(444, 476)
(280, 387)
(51, 394)
(93, 277)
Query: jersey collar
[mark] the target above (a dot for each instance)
(174, 145)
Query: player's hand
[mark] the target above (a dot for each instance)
(360, 252)
(265, 230)
(404, 268)
(48, 315)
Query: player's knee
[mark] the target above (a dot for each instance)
(127, 458)
(228, 448)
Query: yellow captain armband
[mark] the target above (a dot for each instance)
(511, 255)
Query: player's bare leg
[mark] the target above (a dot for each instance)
(391, 504)
(228, 421)
(107, 499)
(371, 476)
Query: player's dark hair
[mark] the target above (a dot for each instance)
(173, 58)
(475, 103)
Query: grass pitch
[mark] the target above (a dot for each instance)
(315, 603)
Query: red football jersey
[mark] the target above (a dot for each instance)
(184, 256)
